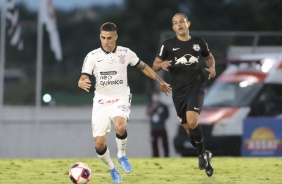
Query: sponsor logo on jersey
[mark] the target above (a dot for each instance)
(124, 50)
(109, 73)
(187, 59)
(121, 59)
(196, 47)
(174, 49)
(111, 82)
(106, 78)
(107, 101)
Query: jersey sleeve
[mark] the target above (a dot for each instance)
(163, 53)
(205, 49)
(133, 58)
(88, 64)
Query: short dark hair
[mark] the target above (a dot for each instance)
(183, 14)
(108, 26)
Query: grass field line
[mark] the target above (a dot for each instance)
(147, 175)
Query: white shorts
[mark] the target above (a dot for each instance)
(105, 110)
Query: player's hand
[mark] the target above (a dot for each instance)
(165, 88)
(212, 72)
(84, 84)
(165, 65)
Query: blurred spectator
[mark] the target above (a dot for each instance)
(158, 113)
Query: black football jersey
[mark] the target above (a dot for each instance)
(185, 70)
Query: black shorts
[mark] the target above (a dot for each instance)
(193, 101)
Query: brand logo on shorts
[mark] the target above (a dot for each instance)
(174, 49)
(107, 101)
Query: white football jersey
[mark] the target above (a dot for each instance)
(110, 70)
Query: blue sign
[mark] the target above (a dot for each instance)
(262, 137)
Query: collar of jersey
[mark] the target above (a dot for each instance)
(183, 41)
(109, 52)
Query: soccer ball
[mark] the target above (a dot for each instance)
(80, 173)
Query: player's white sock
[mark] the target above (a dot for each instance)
(106, 158)
(121, 145)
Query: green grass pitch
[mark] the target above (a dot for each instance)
(228, 170)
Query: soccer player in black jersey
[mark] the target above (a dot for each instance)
(180, 56)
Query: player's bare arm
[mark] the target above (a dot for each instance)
(164, 87)
(84, 83)
(210, 62)
(160, 64)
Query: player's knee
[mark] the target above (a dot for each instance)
(120, 130)
(100, 147)
(100, 143)
(192, 119)
(120, 127)
(192, 122)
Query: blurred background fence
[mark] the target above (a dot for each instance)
(61, 82)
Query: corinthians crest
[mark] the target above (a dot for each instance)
(196, 47)
(122, 59)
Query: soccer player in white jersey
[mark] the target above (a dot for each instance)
(112, 97)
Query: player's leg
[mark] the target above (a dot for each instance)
(192, 141)
(100, 126)
(209, 168)
(194, 106)
(121, 140)
(196, 134)
(120, 118)
(121, 135)
(180, 107)
(154, 142)
(104, 154)
(193, 109)
(103, 151)
(165, 142)
(195, 130)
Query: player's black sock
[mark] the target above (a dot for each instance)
(197, 135)
(124, 136)
(192, 141)
(101, 152)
